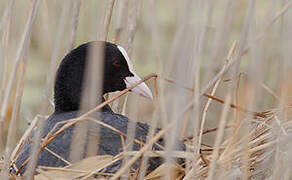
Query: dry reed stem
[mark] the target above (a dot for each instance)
(219, 137)
(65, 169)
(24, 43)
(201, 131)
(5, 21)
(213, 130)
(279, 14)
(133, 14)
(230, 54)
(155, 115)
(134, 7)
(141, 152)
(6, 14)
(131, 128)
(129, 35)
(24, 138)
(93, 79)
(13, 121)
(74, 23)
(121, 19)
(57, 156)
(108, 17)
(223, 26)
(252, 143)
(262, 146)
(176, 154)
(257, 114)
(269, 90)
(124, 106)
(115, 130)
(236, 126)
(4, 70)
(56, 48)
(117, 158)
(199, 32)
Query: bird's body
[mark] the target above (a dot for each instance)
(109, 141)
(118, 74)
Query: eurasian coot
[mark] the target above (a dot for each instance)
(118, 75)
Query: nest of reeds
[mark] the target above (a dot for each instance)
(249, 155)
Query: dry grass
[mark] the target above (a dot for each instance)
(223, 85)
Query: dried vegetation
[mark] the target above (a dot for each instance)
(222, 83)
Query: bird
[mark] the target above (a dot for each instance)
(118, 74)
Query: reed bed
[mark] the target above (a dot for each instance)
(220, 73)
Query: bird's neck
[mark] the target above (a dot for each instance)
(63, 106)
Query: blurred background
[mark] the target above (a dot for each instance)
(185, 41)
(148, 50)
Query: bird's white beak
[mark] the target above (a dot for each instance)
(142, 89)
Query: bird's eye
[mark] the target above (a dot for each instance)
(116, 64)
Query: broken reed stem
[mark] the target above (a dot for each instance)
(230, 54)
(213, 130)
(262, 115)
(50, 137)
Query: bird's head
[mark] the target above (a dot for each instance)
(118, 74)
